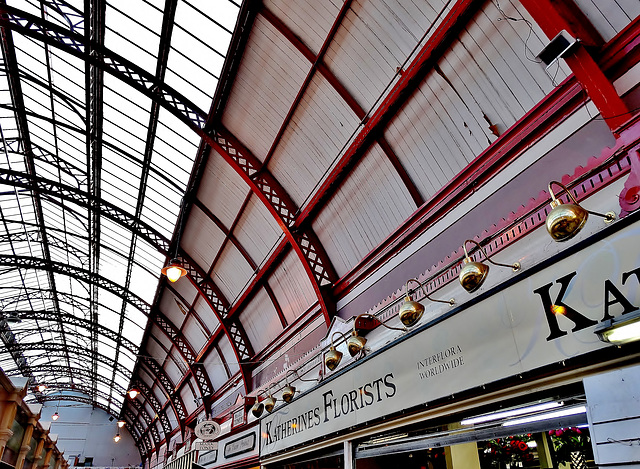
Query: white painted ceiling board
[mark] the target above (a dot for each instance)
(172, 370)
(370, 204)
(375, 38)
(228, 355)
(215, 369)
(186, 290)
(270, 75)
(609, 17)
(319, 129)
(257, 230)
(188, 397)
(155, 350)
(208, 316)
(170, 309)
(161, 337)
(222, 190)
(260, 321)
(194, 334)
(232, 272)
(292, 286)
(202, 238)
(308, 19)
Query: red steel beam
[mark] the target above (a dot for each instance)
(554, 16)
(318, 65)
(436, 45)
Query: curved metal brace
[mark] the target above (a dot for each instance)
(262, 183)
(272, 194)
(81, 274)
(64, 370)
(205, 387)
(51, 347)
(139, 434)
(172, 394)
(150, 397)
(15, 145)
(82, 199)
(107, 60)
(202, 282)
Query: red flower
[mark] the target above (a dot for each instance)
(523, 446)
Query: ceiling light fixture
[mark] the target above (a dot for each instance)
(473, 274)
(55, 416)
(547, 416)
(332, 357)
(288, 391)
(620, 330)
(42, 387)
(356, 343)
(269, 402)
(411, 311)
(566, 220)
(258, 407)
(511, 413)
(174, 269)
(117, 437)
(121, 423)
(133, 393)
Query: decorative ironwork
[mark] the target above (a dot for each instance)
(73, 43)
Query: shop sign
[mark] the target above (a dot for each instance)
(512, 331)
(206, 445)
(239, 446)
(207, 430)
(206, 458)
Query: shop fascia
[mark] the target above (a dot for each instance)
(545, 315)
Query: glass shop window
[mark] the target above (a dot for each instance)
(432, 458)
(561, 448)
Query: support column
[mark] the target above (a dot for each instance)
(462, 456)
(58, 461)
(48, 452)
(8, 409)
(39, 447)
(348, 455)
(24, 448)
(544, 452)
(555, 15)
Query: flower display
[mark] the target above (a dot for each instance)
(568, 440)
(508, 450)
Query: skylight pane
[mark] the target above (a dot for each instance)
(140, 21)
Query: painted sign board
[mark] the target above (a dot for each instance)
(509, 332)
(206, 445)
(207, 430)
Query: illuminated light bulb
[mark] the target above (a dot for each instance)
(121, 423)
(117, 437)
(55, 416)
(558, 310)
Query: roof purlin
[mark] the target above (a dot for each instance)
(15, 88)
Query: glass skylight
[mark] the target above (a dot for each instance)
(80, 226)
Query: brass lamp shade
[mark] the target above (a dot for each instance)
(332, 358)
(257, 409)
(355, 344)
(410, 311)
(269, 404)
(472, 275)
(174, 270)
(565, 220)
(288, 392)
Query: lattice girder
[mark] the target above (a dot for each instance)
(154, 403)
(110, 62)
